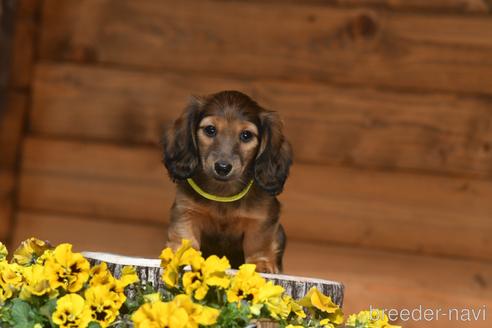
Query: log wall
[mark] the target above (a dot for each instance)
(388, 105)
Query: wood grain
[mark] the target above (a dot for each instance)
(345, 46)
(12, 118)
(150, 271)
(22, 62)
(88, 233)
(391, 280)
(6, 191)
(27, 9)
(438, 6)
(390, 210)
(7, 10)
(328, 125)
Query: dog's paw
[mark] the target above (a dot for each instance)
(266, 266)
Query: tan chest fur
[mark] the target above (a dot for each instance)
(221, 218)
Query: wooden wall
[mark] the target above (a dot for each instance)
(18, 21)
(388, 105)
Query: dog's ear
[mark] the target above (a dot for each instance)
(179, 142)
(274, 155)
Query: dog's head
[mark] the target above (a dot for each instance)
(229, 137)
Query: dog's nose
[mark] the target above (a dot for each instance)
(222, 168)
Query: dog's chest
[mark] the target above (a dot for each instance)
(226, 221)
(222, 234)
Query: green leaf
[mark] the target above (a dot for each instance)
(22, 314)
(232, 316)
(6, 314)
(94, 324)
(47, 309)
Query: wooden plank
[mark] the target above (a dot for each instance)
(438, 6)
(87, 233)
(101, 187)
(24, 37)
(11, 128)
(7, 10)
(96, 197)
(328, 125)
(6, 192)
(27, 9)
(389, 280)
(22, 61)
(347, 46)
(390, 210)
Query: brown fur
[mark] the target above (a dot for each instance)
(247, 230)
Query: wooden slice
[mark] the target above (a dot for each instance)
(149, 270)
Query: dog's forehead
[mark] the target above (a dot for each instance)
(233, 123)
(232, 111)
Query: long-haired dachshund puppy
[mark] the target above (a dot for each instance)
(229, 159)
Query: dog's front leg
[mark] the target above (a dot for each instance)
(260, 248)
(182, 226)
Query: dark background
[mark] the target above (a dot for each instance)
(388, 105)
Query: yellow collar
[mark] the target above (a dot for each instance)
(222, 199)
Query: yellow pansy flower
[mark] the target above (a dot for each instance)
(315, 299)
(205, 315)
(245, 285)
(197, 314)
(11, 274)
(193, 258)
(193, 284)
(71, 312)
(172, 262)
(160, 315)
(3, 251)
(369, 319)
(180, 312)
(271, 295)
(212, 273)
(35, 282)
(326, 323)
(152, 298)
(278, 304)
(67, 269)
(268, 291)
(10, 280)
(44, 257)
(100, 275)
(29, 251)
(101, 304)
(167, 255)
(128, 276)
(294, 307)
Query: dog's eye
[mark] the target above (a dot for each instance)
(210, 130)
(246, 136)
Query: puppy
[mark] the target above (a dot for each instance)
(229, 159)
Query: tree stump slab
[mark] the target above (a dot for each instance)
(149, 270)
